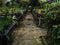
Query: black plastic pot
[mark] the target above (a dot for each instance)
(5, 36)
(1, 16)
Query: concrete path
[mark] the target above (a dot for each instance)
(28, 34)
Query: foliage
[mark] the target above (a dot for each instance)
(4, 22)
(10, 8)
(54, 35)
(52, 20)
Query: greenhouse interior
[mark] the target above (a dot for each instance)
(29, 22)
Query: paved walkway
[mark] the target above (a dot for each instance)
(28, 34)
